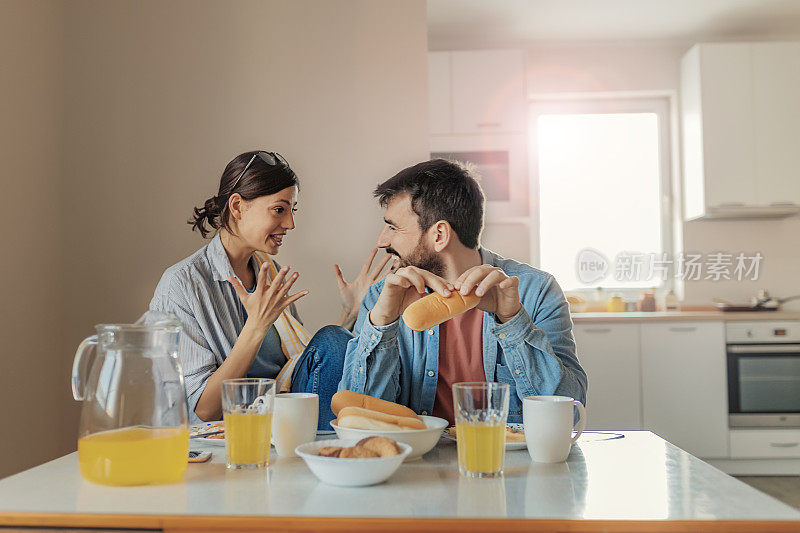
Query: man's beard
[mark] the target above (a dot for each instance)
(421, 257)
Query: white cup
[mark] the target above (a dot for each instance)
(548, 426)
(294, 422)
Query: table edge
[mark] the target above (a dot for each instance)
(181, 523)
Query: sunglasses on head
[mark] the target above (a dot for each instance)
(270, 158)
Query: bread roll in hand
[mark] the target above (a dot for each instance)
(433, 309)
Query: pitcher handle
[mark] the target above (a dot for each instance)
(79, 367)
(581, 425)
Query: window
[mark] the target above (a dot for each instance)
(602, 169)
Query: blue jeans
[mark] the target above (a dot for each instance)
(319, 369)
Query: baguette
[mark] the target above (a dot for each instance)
(360, 418)
(433, 309)
(346, 398)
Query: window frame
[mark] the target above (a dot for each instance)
(663, 105)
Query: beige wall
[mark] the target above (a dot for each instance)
(159, 96)
(30, 152)
(656, 67)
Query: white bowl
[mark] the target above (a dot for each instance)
(421, 440)
(349, 472)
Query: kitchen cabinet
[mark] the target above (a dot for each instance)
(684, 387)
(610, 355)
(776, 113)
(765, 443)
(439, 101)
(740, 125)
(476, 92)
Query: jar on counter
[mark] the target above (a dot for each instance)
(615, 304)
(648, 302)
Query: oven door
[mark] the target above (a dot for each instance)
(764, 385)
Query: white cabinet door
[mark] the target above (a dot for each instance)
(776, 100)
(726, 79)
(684, 385)
(609, 353)
(439, 103)
(488, 91)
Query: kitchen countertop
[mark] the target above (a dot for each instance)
(639, 482)
(693, 316)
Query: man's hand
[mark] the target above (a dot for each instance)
(351, 294)
(402, 288)
(499, 293)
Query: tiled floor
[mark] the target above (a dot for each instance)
(784, 488)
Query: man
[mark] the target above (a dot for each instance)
(520, 333)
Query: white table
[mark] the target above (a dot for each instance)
(639, 482)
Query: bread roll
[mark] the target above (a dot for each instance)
(363, 422)
(433, 309)
(346, 398)
(360, 418)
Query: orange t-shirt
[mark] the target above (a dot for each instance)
(460, 358)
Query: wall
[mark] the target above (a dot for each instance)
(158, 97)
(656, 67)
(30, 151)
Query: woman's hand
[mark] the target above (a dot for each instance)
(265, 304)
(351, 294)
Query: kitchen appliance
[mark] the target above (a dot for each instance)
(500, 161)
(763, 373)
(761, 302)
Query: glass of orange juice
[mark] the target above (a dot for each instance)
(247, 407)
(481, 410)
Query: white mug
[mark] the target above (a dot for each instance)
(294, 422)
(548, 426)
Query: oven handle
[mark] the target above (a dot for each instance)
(764, 348)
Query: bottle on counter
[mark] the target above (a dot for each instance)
(671, 302)
(648, 302)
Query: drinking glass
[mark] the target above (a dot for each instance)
(481, 411)
(247, 407)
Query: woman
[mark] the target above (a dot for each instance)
(238, 315)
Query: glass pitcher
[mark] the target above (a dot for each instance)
(134, 421)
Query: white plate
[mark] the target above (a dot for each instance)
(216, 426)
(207, 427)
(521, 445)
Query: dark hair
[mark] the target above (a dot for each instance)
(440, 190)
(260, 179)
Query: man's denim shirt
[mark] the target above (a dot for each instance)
(534, 352)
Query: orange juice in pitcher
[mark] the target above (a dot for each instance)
(134, 456)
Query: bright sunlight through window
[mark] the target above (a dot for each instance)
(599, 180)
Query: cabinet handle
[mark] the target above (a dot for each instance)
(783, 444)
(488, 124)
(683, 328)
(730, 204)
(597, 330)
(783, 204)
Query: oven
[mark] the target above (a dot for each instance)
(763, 374)
(500, 160)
